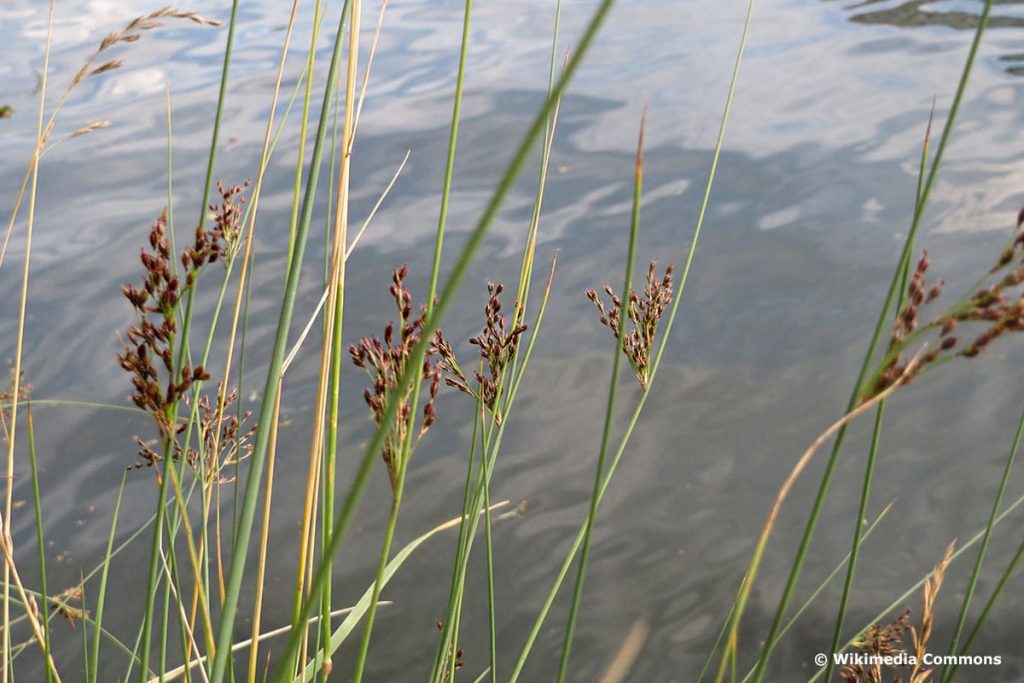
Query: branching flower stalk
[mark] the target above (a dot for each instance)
(997, 308)
(385, 360)
(488, 432)
(644, 313)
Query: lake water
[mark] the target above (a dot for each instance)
(814, 195)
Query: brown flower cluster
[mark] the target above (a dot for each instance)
(644, 312)
(498, 344)
(879, 641)
(231, 445)
(999, 307)
(227, 221)
(888, 640)
(385, 361)
(148, 353)
(7, 399)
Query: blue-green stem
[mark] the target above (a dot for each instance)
(859, 385)
(972, 582)
(609, 413)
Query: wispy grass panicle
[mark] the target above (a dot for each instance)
(644, 312)
(385, 360)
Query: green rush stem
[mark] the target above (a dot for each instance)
(334, 407)
(489, 447)
(154, 563)
(389, 534)
(258, 457)
(810, 600)
(304, 125)
(491, 605)
(904, 261)
(414, 367)
(977, 537)
(972, 583)
(869, 473)
(1003, 580)
(460, 548)
(875, 440)
(449, 167)
(211, 161)
(93, 670)
(435, 270)
(530, 245)
(165, 620)
(86, 667)
(609, 413)
(450, 627)
(453, 613)
(535, 631)
(37, 504)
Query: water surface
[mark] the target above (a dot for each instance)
(814, 195)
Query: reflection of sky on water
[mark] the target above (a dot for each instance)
(813, 196)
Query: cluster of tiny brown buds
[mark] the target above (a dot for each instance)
(386, 360)
(149, 343)
(644, 312)
(498, 343)
(997, 306)
(219, 241)
(227, 220)
(61, 604)
(232, 445)
(7, 400)
(880, 641)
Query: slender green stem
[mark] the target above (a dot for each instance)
(460, 268)
(869, 473)
(449, 167)
(460, 546)
(666, 335)
(492, 627)
(876, 435)
(40, 541)
(972, 583)
(93, 671)
(1000, 586)
(609, 413)
(258, 458)
(859, 385)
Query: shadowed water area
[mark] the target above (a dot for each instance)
(814, 195)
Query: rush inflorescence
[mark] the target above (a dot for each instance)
(998, 308)
(644, 312)
(386, 360)
(498, 343)
(149, 348)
